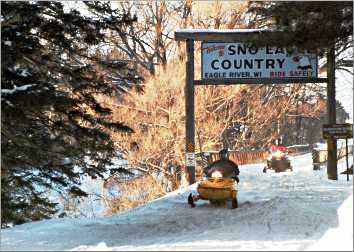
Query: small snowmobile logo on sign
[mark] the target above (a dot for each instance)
(210, 49)
(303, 61)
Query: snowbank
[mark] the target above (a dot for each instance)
(341, 237)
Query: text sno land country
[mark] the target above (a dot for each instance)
(237, 60)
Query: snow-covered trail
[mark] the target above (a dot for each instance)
(277, 211)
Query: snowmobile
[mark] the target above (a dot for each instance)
(219, 183)
(278, 160)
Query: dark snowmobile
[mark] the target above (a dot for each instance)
(219, 183)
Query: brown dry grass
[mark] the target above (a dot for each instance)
(133, 193)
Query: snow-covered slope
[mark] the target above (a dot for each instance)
(300, 210)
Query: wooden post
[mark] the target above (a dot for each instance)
(346, 157)
(331, 111)
(189, 98)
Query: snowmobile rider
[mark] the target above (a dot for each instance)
(224, 165)
(278, 146)
(274, 149)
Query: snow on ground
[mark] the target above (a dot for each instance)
(300, 210)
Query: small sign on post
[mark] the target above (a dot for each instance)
(337, 131)
(190, 159)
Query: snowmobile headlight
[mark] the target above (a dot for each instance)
(278, 154)
(216, 174)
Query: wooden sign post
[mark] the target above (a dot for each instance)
(189, 94)
(332, 171)
(346, 157)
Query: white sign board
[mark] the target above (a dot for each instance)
(190, 159)
(239, 60)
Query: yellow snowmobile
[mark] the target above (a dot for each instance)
(220, 182)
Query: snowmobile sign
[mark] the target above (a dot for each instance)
(337, 131)
(190, 159)
(239, 60)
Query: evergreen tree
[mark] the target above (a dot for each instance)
(53, 129)
(305, 24)
(312, 25)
